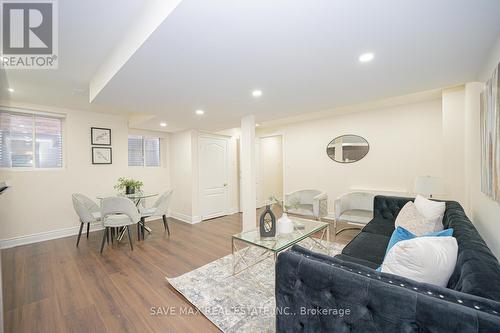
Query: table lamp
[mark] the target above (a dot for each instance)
(428, 186)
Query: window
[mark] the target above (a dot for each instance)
(143, 151)
(30, 141)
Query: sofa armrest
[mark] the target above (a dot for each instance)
(320, 205)
(317, 293)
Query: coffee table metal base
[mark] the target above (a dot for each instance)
(240, 254)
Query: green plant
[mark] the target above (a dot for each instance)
(123, 183)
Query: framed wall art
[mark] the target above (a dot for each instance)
(100, 136)
(102, 155)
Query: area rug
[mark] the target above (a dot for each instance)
(238, 303)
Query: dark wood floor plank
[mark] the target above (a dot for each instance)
(54, 286)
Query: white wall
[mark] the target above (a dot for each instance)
(405, 141)
(485, 213)
(40, 201)
(270, 168)
(184, 175)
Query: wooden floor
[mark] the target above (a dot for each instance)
(54, 286)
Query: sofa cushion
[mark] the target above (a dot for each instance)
(401, 234)
(380, 226)
(412, 220)
(367, 246)
(429, 259)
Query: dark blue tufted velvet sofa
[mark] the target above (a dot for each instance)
(319, 293)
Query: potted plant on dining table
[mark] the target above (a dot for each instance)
(128, 185)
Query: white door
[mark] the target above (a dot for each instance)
(213, 177)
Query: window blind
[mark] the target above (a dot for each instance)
(30, 141)
(143, 151)
(48, 152)
(152, 152)
(135, 151)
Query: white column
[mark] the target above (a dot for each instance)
(247, 191)
(453, 104)
(472, 142)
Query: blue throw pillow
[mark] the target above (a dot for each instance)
(401, 234)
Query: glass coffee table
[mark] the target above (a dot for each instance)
(273, 246)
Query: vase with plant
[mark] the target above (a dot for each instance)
(129, 186)
(284, 225)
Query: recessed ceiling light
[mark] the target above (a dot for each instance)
(163, 124)
(366, 57)
(257, 93)
(10, 89)
(257, 125)
(199, 112)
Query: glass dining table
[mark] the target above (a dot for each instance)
(137, 198)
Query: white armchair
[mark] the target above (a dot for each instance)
(308, 202)
(355, 208)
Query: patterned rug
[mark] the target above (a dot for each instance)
(238, 303)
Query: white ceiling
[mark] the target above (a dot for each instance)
(88, 30)
(301, 53)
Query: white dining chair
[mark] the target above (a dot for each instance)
(159, 209)
(118, 212)
(88, 212)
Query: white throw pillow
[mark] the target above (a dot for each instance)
(423, 259)
(410, 218)
(431, 210)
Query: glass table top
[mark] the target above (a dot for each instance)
(134, 196)
(302, 229)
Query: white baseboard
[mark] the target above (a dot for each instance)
(233, 210)
(185, 218)
(46, 235)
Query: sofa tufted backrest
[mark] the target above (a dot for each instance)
(388, 207)
(477, 271)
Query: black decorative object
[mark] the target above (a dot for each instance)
(129, 190)
(267, 223)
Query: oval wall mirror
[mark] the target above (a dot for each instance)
(347, 148)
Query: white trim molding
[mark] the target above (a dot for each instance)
(46, 235)
(185, 218)
(55, 234)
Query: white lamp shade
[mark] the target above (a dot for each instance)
(428, 186)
